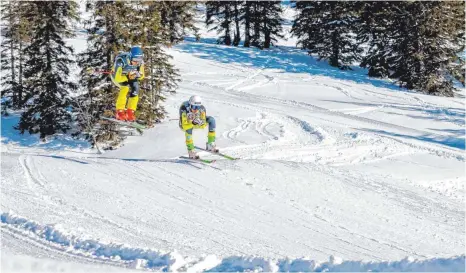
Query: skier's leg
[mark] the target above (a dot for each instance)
(189, 139)
(211, 134)
(133, 95)
(121, 103)
(133, 100)
(190, 143)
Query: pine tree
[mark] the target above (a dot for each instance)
(261, 19)
(16, 35)
(247, 14)
(161, 76)
(111, 32)
(176, 18)
(47, 72)
(327, 29)
(444, 42)
(457, 65)
(237, 16)
(220, 14)
(426, 45)
(271, 21)
(255, 20)
(99, 93)
(406, 52)
(374, 26)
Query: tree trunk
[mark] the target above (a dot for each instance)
(334, 59)
(267, 39)
(172, 31)
(256, 36)
(227, 25)
(20, 74)
(13, 78)
(12, 57)
(335, 51)
(237, 37)
(247, 20)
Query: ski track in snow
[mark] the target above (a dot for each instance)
(324, 182)
(341, 245)
(387, 140)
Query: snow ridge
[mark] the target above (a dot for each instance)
(139, 258)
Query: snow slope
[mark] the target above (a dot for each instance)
(338, 172)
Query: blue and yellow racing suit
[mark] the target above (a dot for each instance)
(121, 76)
(195, 119)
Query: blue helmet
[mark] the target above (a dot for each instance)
(136, 53)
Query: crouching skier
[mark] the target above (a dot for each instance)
(193, 116)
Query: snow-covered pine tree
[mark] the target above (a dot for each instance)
(418, 43)
(99, 93)
(406, 51)
(443, 42)
(15, 36)
(46, 74)
(458, 62)
(328, 29)
(376, 18)
(427, 40)
(161, 76)
(220, 15)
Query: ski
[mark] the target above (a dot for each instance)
(208, 161)
(126, 123)
(217, 153)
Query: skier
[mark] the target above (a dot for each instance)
(193, 116)
(127, 72)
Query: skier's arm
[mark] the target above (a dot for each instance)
(141, 72)
(186, 124)
(118, 73)
(203, 117)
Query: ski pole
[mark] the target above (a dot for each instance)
(92, 71)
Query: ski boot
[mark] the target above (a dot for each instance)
(192, 154)
(130, 115)
(120, 115)
(211, 147)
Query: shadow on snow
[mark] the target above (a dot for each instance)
(57, 142)
(288, 59)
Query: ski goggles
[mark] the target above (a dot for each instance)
(137, 60)
(195, 107)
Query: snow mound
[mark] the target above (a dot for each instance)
(138, 258)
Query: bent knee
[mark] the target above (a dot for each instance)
(211, 121)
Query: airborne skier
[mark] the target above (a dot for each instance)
(193, 116)
(127, 72)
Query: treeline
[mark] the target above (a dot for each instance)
(259, 22)
(418, 43)
(38, 73)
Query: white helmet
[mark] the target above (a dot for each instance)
(195, 101)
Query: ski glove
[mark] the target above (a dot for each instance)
(198, 121)
(134, 75)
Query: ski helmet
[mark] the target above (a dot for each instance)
(195, 102)
(136, 54)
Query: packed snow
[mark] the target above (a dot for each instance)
(337, 172)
